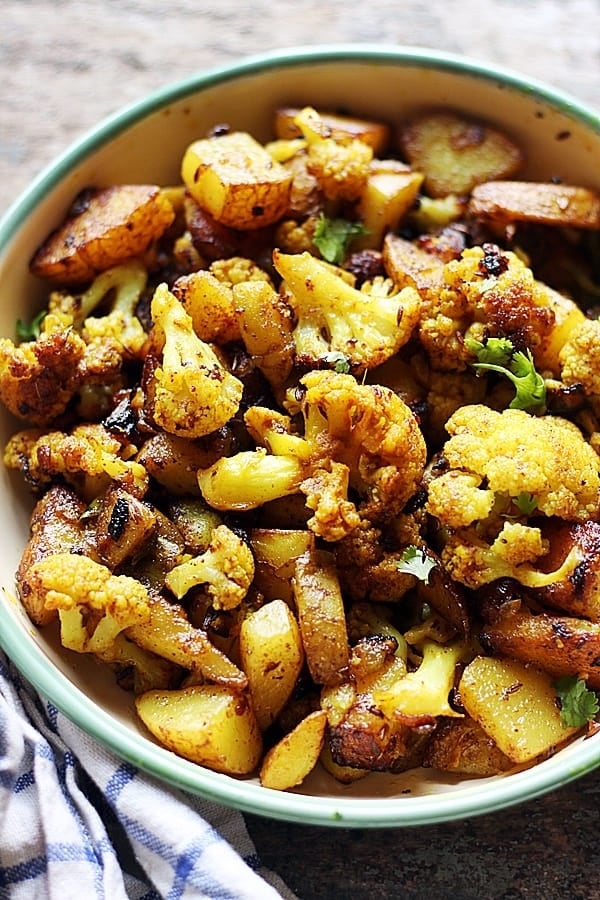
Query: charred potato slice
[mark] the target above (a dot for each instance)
(104, 227)
(462, 747)
(455, 153)
(559, 645)
(123, 527)
(235, 179)
(579, 594)
(207, 724)
(321, 616)
(544, 203)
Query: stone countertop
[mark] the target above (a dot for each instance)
(65, 64)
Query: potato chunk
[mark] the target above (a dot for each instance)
(339, 127)
(516, 705)
(236, 180)
(454, 153)
(544, 203)
(289, 762)
(208, 724)
(104, 228)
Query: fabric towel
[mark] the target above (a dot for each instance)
(78, 822)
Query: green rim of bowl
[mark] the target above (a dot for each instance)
(475, 799)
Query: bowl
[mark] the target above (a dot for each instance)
(145, 143)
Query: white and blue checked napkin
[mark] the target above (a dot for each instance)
(78, 822)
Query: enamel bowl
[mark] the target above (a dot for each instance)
(145, 143)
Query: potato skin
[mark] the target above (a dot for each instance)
(461, 746)
(546, 204)
(104, 227)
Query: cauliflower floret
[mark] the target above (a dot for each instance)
(516, 453)
(489, 292)
(292, 236)
(226, 568)
(89, 458)
(207, 296)
(94, 606)
(366, 326)
(457, 499)
(473, 562)
(364, 435)
(340, 165)
(39, 378)
(190, 393)
(580, 357)
(425, 691)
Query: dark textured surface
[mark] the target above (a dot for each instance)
(64, 65)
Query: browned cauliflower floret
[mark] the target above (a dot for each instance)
(226, 568)
(489, 292)
(89, 458)
(38, 378)
(509, 464)
(580, 357)
(94, 606)
(367, 326)
(364, 436)
(190, 393)
(514, 453)
(294, 236)
(340, 165)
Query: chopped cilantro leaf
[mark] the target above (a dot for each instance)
(499, 355)
(417, 562)
(577, 704)
(332, 237)
(30, 331)
(338, 362)
(526, 503)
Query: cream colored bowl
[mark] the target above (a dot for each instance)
(145, 144)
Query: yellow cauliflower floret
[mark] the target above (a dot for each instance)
(292, 236)
(341, 170)
(366, 326)
(580, 357)
(226, 568)
(326, 493)
(94, 606)
(237, 269)
(489, 292)
(457, 499)
(517, 453)
(39, 378)
(89, 458)
(191, 393)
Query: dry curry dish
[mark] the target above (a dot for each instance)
(314, 443)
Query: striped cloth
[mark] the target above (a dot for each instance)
(78, 822)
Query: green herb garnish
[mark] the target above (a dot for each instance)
(526, 503)
(30, 331)
(417, 562)
(332, 237)
(578, 705)
(338, 362)
(499, 355)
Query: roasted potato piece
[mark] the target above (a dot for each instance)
(410, 266)
(297, 753)
(343, 774)
(104, 227)
(516, 705)
(271, 655)
(462, 747)
(339, 127)
(559, 645)
(169, 634)
(579, 594)
(195, 521)
(321, 616)
(366, 739)
(542, 202)
(390, 192)
(455, 153)
(123, 526)
(208, 724)
(275, 552)
(234, 178)
(173, 461)
(56, 526)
